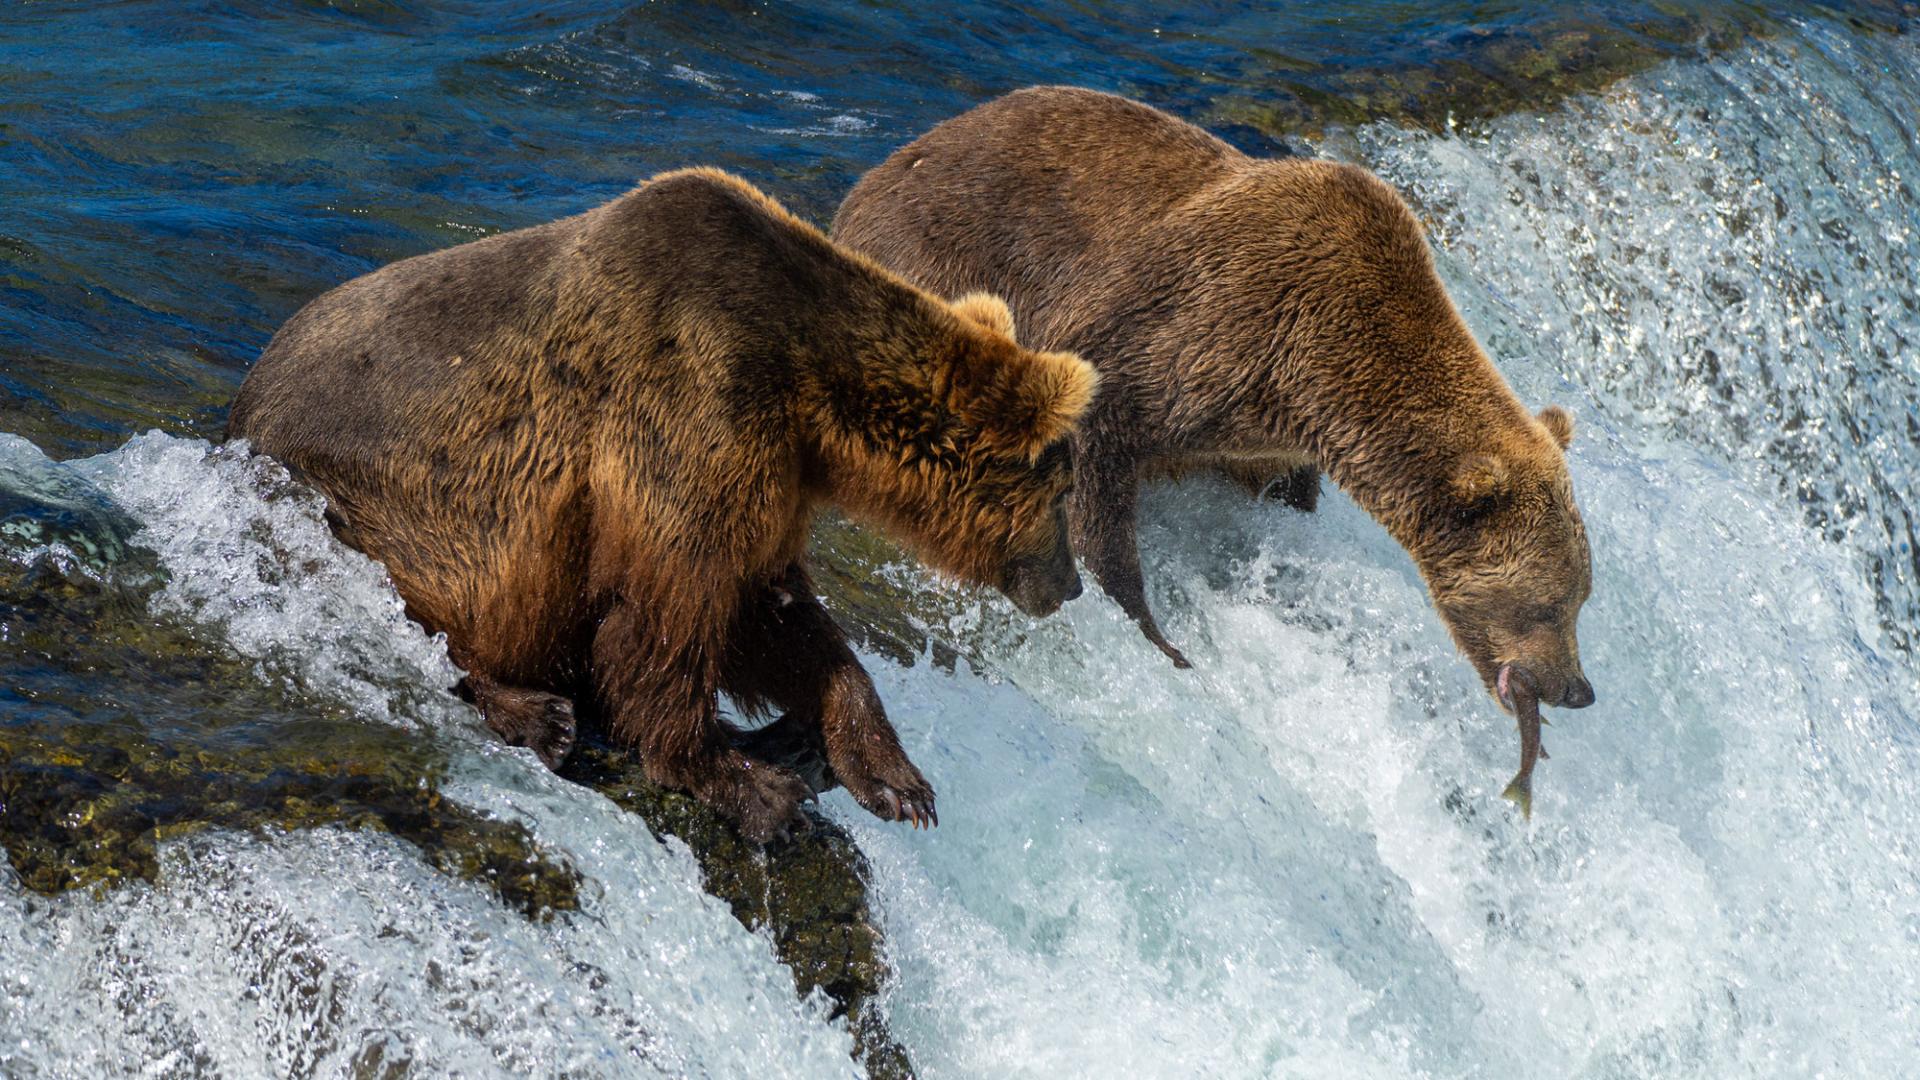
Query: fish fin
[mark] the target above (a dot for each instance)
(1544, 756)
(1521, 795)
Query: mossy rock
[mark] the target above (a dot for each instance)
(808, 891)
(86, 806)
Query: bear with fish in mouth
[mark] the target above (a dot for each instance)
(1263, 318)
(589, 453)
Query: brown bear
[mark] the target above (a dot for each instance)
(1258, 316)
(589, 452)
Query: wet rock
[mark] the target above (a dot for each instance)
(884, 605)
(890, 604)
(46, 509)
(809, 892)
(87, 805)
(121, 731)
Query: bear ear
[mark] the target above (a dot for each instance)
(1044, 402)
(1479, 477)
(1559, 424)
(985, 309)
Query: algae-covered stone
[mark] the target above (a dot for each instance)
(123, 730)
(87, 804)
(808, 891)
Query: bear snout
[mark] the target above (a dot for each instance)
(1547, 684)
(1039, 586)
(1038, 596)
(1558, 690)
(1578, 695)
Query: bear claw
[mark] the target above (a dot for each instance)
(539, 721)
(1174, 654)
(554, 741)
(891, 790)
(888, 804)
(920, 814)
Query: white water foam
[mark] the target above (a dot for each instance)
(1292, 860)
(248, 556)
(330, 953)
(1723, 255)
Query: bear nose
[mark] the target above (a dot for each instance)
(1074, 591)
(1579, 694)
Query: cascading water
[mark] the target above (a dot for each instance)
(1291, 861)
(1722, 255)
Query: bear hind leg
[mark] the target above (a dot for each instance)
(666, 705)
(786, 651)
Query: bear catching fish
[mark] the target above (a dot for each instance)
(1264, 318)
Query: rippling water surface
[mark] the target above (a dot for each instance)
(1291, 861)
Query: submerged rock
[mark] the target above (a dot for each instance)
(185, 737)
(87, 806)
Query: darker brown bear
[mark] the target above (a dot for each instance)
(589, 453)
(1258, 316)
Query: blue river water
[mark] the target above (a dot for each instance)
(1289, 862)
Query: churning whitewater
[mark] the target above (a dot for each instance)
(1290, 861)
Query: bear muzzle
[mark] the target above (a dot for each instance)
(1038, 586)
(1579, 694)
(1569, 692)
(1040, 595)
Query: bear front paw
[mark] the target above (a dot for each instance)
(542, 722)
(553, 737)
(882, 779)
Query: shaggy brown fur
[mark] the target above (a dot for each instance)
(1264, 317)
(589, 452)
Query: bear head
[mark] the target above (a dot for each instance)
(1505, 557)
(956, 438)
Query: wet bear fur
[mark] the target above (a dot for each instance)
(1268, 318)
(589, 452)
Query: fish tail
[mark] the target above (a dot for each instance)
(1520, 793)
